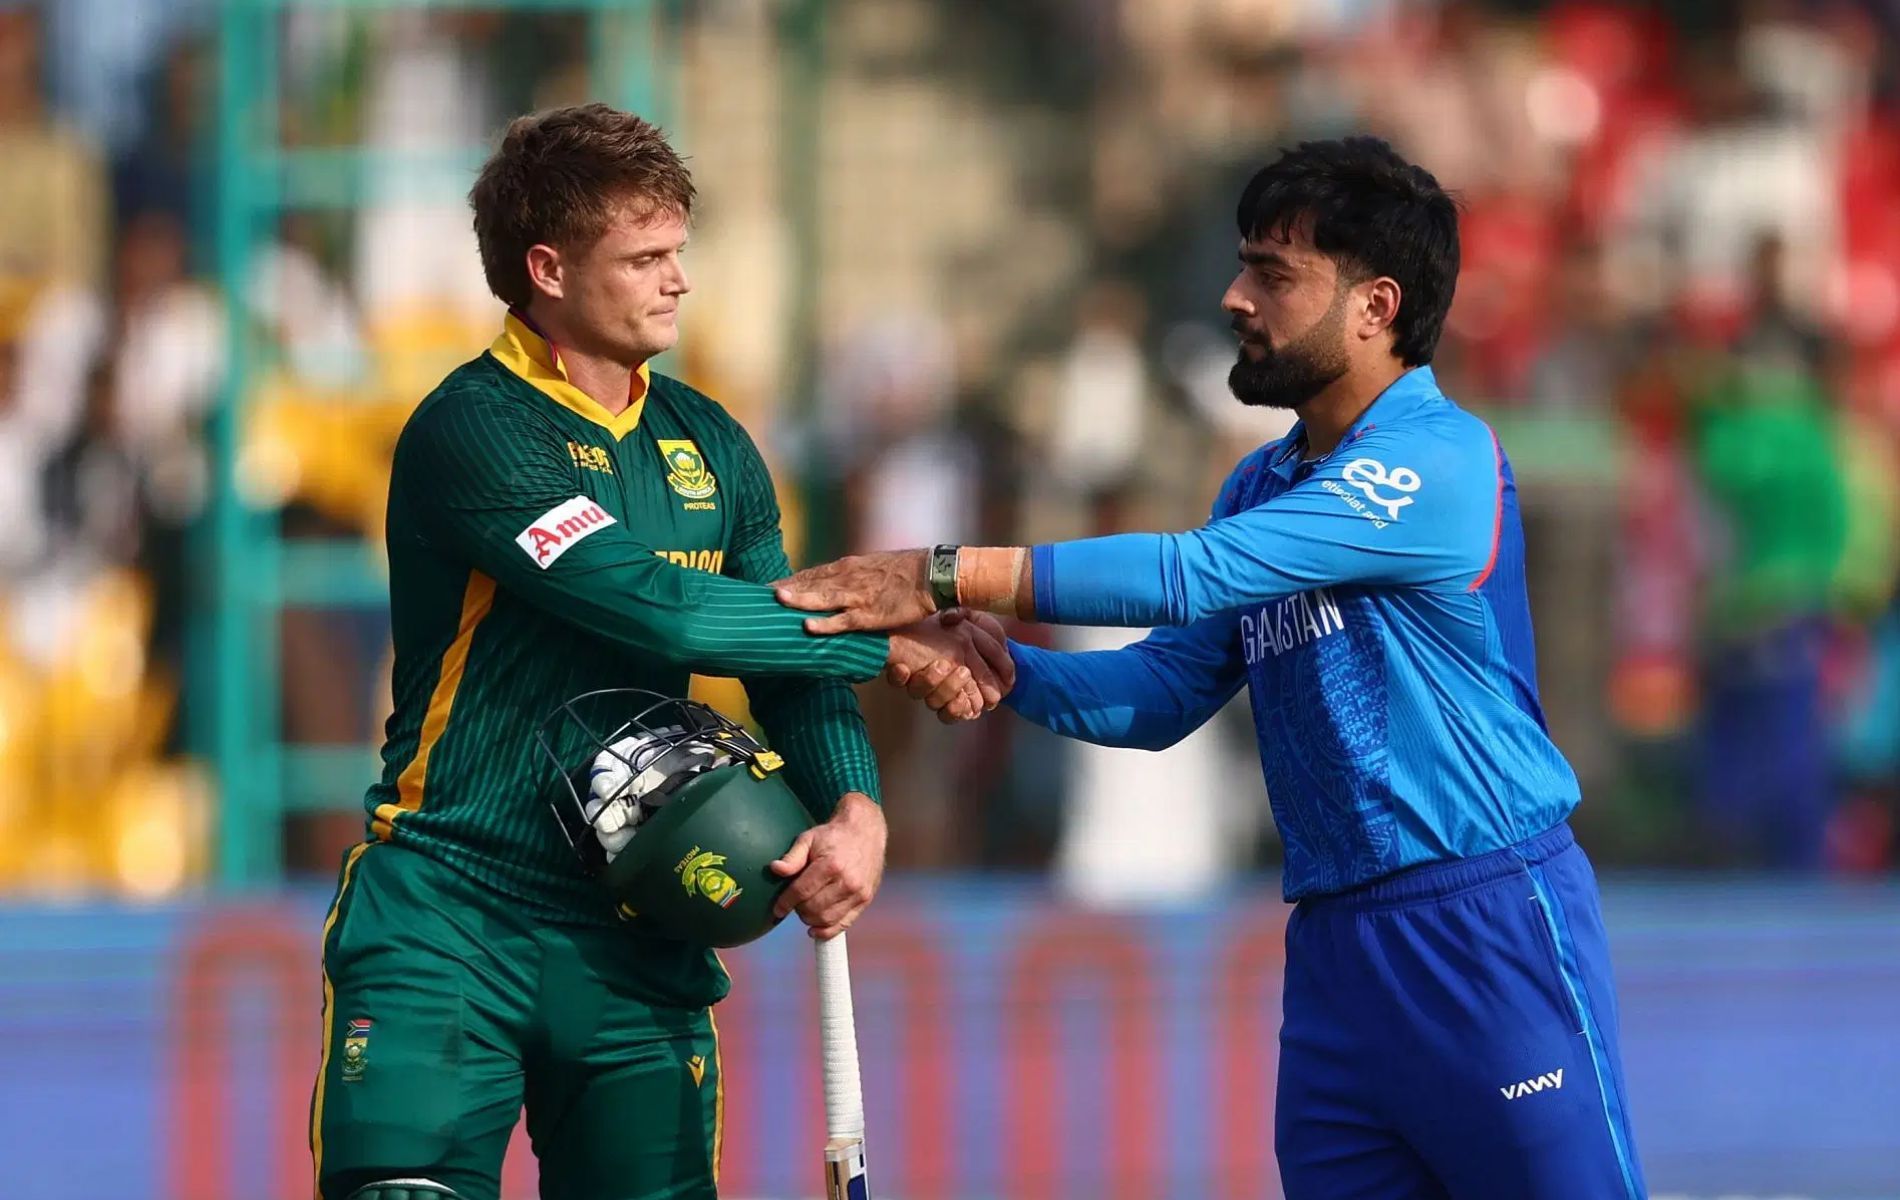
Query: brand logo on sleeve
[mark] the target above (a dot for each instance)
(1377, 484)
(1370, 476)
(560, 527)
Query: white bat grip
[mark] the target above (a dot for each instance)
(838, 1032)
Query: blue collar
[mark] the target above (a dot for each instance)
(1410, 393)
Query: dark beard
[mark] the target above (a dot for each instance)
(1295, 373)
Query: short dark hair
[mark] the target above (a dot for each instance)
(559, 177)
(1373, 214)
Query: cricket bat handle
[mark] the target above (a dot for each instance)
(845, 1177)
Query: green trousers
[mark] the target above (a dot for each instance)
(445, 1012)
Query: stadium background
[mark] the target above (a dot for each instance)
(957, 267)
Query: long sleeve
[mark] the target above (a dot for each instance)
(814, 723)
(496, 488)
(1413, 510)
(1147, 696)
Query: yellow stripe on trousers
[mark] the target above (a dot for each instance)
(329, 1001)
(719, 1100)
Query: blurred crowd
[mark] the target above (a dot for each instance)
(111, 348)
(958, 266)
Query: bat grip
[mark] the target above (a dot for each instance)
(837, 1031)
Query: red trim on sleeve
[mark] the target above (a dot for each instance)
(1497, 519)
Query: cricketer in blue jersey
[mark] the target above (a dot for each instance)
(1449, 1016)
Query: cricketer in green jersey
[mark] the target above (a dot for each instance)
(562, 519)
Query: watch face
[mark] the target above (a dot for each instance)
(943, 576)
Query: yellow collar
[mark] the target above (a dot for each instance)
(538, 362)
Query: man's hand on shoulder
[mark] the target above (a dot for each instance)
(835, 867)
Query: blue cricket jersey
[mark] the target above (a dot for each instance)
(1373, 601)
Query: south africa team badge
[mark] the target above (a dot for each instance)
(686, 470)
(355, 1049)
(700, 872)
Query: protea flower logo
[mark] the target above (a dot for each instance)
(686, 469)
(700, 874)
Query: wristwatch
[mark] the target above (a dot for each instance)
(941, 574)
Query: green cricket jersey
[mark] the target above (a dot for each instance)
(540, 547)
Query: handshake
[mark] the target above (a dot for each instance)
(956, 661)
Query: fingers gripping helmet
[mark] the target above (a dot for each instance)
(675, 809)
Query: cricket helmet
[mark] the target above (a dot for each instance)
(676, 809)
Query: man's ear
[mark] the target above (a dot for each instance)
(546, 272)
(1378, 307)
